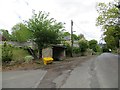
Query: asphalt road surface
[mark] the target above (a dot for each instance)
(100, 72)
(22, 79)
(81, 72)
(93, 72)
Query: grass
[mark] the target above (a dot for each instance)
(19, 54)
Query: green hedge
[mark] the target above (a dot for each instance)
(7, 53)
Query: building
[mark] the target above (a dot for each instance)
(57, 52)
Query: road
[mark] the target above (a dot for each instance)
(95, 72)
(22, 79)
(80, 72)
(101, 72)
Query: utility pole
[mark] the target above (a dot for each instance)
(71, 38)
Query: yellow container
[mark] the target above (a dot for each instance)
(47, 60)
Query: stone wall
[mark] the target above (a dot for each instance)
(31, 44)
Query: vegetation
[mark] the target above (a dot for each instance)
(21, 33)
(81, 36)
(108, 20)
(6, 53)
(5, 35)
(19, 54)
(93, 45)
(68, 49)
(83, 45)
(45, 31)
(28, 59)
(13, 54)
(75, 37)
(76, 50)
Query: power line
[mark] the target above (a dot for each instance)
(82, 30)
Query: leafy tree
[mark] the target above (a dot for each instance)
(80, 36)
(83, 45)
(45, 30)
(5, 34)
(105, 48)
(93, 45)
(75, 37)
(112, 37)
(98, 48)
(108, 20)
(21, 33)
(76, 50)
(66, 34)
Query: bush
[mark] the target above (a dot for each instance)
(28, 58)
(90, 52)
(93, 45)
(7, 53)
(76, 50)
(105, 49)
(83, 45)
(19, 54)
(68, 48)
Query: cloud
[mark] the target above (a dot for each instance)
(82, 12)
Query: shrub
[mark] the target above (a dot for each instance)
(68, 48)
(28, 58)
(76, 50)
(98, 48)
(93, 45)
(83, 45)
(105, 49)
(90, 52)
(6, 53)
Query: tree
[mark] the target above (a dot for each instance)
(83, 45)
(80, 36)
(66, 34)
(112, 37)
(5, 34)
(45, 31)
(108, 20)
(75, 37)
(93, 45)
(21, 33)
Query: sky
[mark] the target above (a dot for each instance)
(82, 12)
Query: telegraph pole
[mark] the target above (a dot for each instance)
(71, 38)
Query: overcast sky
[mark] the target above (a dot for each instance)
(82, 12)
